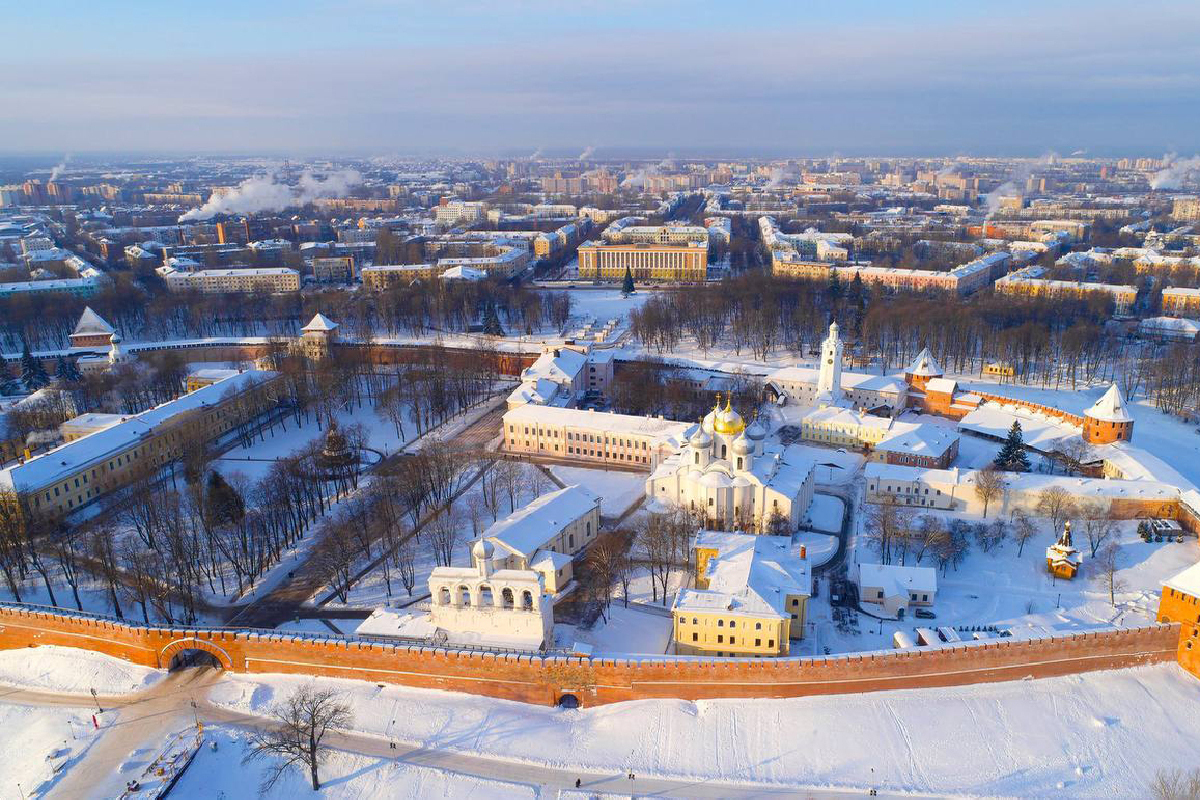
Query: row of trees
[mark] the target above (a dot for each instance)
(42, 322)
(1051, 342)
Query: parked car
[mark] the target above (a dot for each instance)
(924, 613)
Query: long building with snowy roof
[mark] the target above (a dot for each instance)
(81, 471)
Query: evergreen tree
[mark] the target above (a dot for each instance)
(627, 287)
(1012, 456)
(491, 321)
(835, 287)
(72, 374)
(222, 502)
(857, 296)
(33, 374)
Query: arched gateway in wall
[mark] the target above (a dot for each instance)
(180, 645)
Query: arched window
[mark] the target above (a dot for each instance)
(486, 600)
(527, 600)
(506, 598)
(444, 596)
(739, 466)
(589, 527)
(722, 451)
(570, 540)
(464, 595)
(697, 457)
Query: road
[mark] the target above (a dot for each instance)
(145, 720)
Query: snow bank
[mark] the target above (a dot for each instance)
(39, 741)
(71, 671)
(1100, 734)
(220, 773)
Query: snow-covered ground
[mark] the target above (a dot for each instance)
(40, 744)
(998, 588)
(628, 631)
(372, 589)
(818, 547)
(220, 774)
(618, 490)
(825, 513)
(1095, 735)
(65, 669)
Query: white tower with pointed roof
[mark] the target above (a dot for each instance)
(318, 336)
(829, 377)
(1108, 420)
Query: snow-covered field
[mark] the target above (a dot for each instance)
(825, 513)
(1094, 735)
(220, 774)
(630, 630)
(998, 588)
(40, 744)
(618, 490)
(372, 589)
(65, 669)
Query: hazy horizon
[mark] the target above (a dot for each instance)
(767, 79)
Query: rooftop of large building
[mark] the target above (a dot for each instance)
(750, 576)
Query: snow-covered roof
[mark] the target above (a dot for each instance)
(561, 365)
(67, 459)
(896, 580)
(91, 322)
(925, 365)
(850, 380)
(530, 528)
(1110, 407)
(920, 439)
(942, 385)
(598, 421)
(1187, 581)
(1172, 325)
(320, 322)
(750, 575)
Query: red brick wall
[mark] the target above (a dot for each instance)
(536, 679)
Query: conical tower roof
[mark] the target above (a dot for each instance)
(1110, 407)
(320, 322)
(91, 322)
(925, 365)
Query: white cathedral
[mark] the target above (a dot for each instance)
(730, 473)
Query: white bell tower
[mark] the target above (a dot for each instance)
(829, 379)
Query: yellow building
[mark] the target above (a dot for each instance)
(1028, 283)
(750, 597)
(388, 275)
(110, 457)
(274, 280)
(1181, 302)
(646, 262)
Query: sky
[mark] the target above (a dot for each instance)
(744, 77)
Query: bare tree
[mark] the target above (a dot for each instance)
(1176, 784)
(604, 558)
(303, 720)
(989, 486)
(1107, 566)
(444, 535)
(1024, 529)
(932, 532)
(1055, 504)
(1098, 524)
(886, 523)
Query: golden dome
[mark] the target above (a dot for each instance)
(728, 421)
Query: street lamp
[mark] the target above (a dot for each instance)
(97, 699)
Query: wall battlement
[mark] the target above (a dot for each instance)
(595, 681)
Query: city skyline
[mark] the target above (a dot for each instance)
(693, 79)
